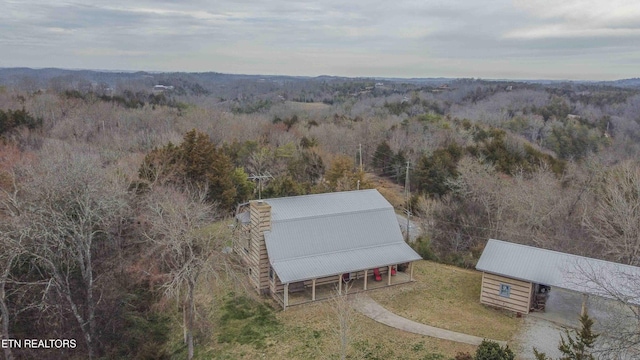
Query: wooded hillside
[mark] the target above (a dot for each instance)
(112, 192)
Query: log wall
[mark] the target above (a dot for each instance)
(519, 297)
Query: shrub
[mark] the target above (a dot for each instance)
(491, 350)
(422, 246)
(463, 356)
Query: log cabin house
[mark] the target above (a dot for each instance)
(519, 278)
(302, 248)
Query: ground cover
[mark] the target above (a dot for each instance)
(238, 325)
(448, 297)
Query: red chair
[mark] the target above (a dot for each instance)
(393, 270)
(376, 274)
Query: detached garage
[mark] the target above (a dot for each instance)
(519, 277)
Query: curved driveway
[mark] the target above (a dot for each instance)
(370, 308)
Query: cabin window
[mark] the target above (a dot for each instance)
(505, 290)
(271, 273)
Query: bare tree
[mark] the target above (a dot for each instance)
(9, 253)
(185, 245)
(617, 300)
(342, 305)
(533, 208)
(10, 239)
(614, 222)
(72, 209)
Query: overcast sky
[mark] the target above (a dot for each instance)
(517, 39)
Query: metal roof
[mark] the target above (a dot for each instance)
(567, 271)
(328, 234)
(296, 207)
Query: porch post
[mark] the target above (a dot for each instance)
(585, 297)
(389, 275)
(313, 290)
(411, 271)
(340, 284)
(365, 278)
(286, 295)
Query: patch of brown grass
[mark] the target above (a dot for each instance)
(442, 296)
(300, 106)
(309, 332)
(391, 191)
(448, 297)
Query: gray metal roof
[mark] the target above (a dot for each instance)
(328, 234)
(561, 270)
(296, 207)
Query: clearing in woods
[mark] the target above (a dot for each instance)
(442, 296)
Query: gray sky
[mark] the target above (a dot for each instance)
(551, 39)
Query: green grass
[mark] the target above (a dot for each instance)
(246, 327)
(448, 297)
(246, 321)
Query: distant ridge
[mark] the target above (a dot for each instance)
(12, 74)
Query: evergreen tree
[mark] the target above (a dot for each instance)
(306, 167)
(578, 347)
(283, 186)
(383, 158)
(196, 162)
(244, 186)
(433, 171)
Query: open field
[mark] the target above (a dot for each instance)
(311, 106)
(448, 297)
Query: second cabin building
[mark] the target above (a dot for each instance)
(519, 278)
(304, 248)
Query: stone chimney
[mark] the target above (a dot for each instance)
(258, 257)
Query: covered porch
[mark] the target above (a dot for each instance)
(315, 290)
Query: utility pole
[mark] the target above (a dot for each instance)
(407, 195)
(360, 146)
(260, 177)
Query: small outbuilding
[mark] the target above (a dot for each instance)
(309, 245)
(518, 277)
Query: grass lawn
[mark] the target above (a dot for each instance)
(310, 332)
(248, 327)
(448, 297)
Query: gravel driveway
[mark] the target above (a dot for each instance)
(541, 334)
(543, 330)
(414, 229)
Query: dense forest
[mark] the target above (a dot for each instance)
(116, 194)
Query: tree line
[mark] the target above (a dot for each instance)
(110, 213)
